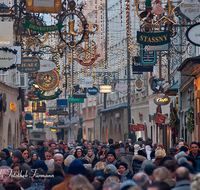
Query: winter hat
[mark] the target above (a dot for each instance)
(6, 151)
(34, 153)
(66, 155)
(179, 155)
(103, 146)
(112, 151)
(110, 168)
(122, 164)
(173, 150)
(183, 162)
(126, 184)
(149, 168)
(76, 167)
(40, 143)
(61, 142)
(10, 148)
(40, 164)
(184, 148)
(142, 153)
(17, 154)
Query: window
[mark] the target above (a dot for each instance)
(37, 136)
(22, 79)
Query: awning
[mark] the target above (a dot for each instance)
(119, 106)
(190, 67)
(172, 91)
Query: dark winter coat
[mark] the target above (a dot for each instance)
(37, 184)
(130, 156)
(99, 173)
(41, 153)
(8, 160)
(137, 163)
(55, 181)
(126, 175)
(197, 160)
(95, 161)
(3, 162)
(25, 167)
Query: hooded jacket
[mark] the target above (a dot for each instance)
(197, 160)
(137, 163)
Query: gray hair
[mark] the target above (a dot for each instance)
(58, 154)
(50, 166)
(179, 155)
(113, 185)
(141, 179)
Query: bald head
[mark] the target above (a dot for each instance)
(141, 179)
(182, 173)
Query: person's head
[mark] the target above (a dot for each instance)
(5, 175)
(90, 152)
(185, 149)
(161, 174)
(97, 185)
(40, 173)
(52, 146)
(34, 156)
(16, 168)
(182, 173)
(159, 154)
(122, 167)
(56, 150)
(129, 141)
(25, 153)
(148, 169)
(194, 147)
(69, 160)
(2, 154)
(85, 143)
(79, 182)
(58, 158)
(46, 144)
(40, 164)
(111, 156)
(16, 156)
(158, 185)
(89, 144)
(171, 165)
(111, 186)
(78, 153)
(99, 147)
(195, 185)
(103, 148)
(76, 167)
(40, 145)
(72, 152)
(110, 141)
(50, 165)
(48, 155)
(90, 175)
(100, 166)
(58, 171)
(110, 169)
(61, 144)
(6, 152)
(141, 179)
(12, 185)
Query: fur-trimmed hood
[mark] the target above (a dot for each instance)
(139, 157)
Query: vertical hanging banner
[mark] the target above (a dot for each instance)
(160, 118)
(6, 33)
(147, 57)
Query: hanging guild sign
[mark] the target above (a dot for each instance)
(46, 65)
(29, 65)
(6, 34)
(161, 100)
(160, 118)
(193, 34)
(153, 39)
(92, 91)
(190, 8)
(147, 57)
(138, 66)
(121, 87)
(140, 127)
(43, 6)
(39, 107)
(7, 58)
(133, 127)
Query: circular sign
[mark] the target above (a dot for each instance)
(113, 96)
(121, 87)
(46, 65)
(193, 34)
(48, 80)
(92, 91)
(161, 100)
(138, 83)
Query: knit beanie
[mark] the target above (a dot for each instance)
(149, 168)
(122, 164)
(34, 153)
(40, 143)
(112, 151)
(40, 164)
(76, 167)
(6, 151)
(127, 183)
(110, 168)
(17, 154)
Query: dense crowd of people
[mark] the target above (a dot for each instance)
(100, 166)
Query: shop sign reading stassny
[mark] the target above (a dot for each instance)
(6, 34)
(193, 34)
(29, 65)
(161, 100)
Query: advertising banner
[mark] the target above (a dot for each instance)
(6, 34)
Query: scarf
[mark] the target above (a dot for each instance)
(90, 159)
(124, 175)
(28, 160)
(113, 163)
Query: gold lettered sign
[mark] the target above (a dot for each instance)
(43, 6)
(161, 100)
(29, 65)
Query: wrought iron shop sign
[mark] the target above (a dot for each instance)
(153, 39)
(147, 57)
(193, 34)
(29, 65)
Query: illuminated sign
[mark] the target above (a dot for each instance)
(13, 106)
(161, 100)
(53, 130)
(6, 34)
(39, 107)
(29, 65)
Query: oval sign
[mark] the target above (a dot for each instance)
(121, 87)
(161, 100)
(92, 91)
(29, 65)
(193, 34)
(46, 65)
(6, 59)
